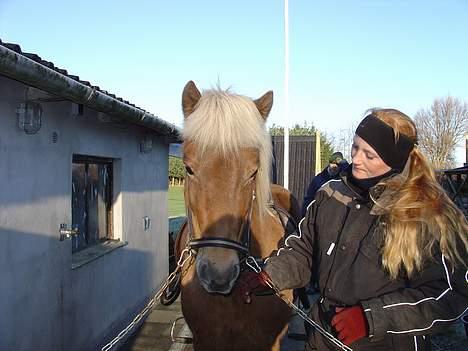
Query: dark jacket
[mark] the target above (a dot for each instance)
(338, 243)
(317, 182)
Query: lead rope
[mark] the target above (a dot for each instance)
(151, 303)
(252, 263)
(306, 318)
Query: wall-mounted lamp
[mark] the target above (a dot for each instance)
(29, 117)
(146, 144)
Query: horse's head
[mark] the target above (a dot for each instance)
(227, 155)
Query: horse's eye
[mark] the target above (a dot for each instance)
(188, 170)
(254, 174)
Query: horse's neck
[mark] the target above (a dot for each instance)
(266, 233)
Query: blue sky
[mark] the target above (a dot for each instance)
(345, 56)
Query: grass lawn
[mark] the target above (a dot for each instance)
(176, 201)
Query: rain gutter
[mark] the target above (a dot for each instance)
(30, 72)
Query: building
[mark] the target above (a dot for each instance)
(83, 207)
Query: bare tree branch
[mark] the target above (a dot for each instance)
(441, 128)
(343, 140)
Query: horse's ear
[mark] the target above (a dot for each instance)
(264, 104)
(190, 97)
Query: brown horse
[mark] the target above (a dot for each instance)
(227, 155)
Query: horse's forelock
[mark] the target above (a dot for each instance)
(226, 122)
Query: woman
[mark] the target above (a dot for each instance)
(385, 244)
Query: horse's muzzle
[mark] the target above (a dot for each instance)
(215, 280)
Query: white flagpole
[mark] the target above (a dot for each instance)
(286, 96)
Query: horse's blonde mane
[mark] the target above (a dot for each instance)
(226, 122)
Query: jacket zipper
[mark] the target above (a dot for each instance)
(332, 246)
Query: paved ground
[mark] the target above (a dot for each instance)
(154, 334)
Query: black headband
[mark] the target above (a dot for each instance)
(381, 137)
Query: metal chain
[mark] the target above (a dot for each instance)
(252, 263)
(305, 317)
(151, 303)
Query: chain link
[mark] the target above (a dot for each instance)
(253, 264)
(151, 303)
(305, 317)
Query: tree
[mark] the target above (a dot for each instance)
(306, 129)
(343, 140)
(176, 169)
(440, 129)
(326, 148)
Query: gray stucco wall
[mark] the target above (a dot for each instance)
(44, 304)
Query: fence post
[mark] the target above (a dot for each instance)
(318, 158)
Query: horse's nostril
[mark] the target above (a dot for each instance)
(235, 272)
(202, 269)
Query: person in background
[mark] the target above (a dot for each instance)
(385, 244)
(336, 165)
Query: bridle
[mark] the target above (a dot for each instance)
(247, 260)
(242, 247)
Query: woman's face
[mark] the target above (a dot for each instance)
(366, 162)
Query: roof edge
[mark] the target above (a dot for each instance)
(19, 67)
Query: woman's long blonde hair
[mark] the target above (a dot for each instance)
(420, 218)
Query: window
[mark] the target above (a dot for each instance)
(92, 181)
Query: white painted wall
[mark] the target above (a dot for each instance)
(44, 304)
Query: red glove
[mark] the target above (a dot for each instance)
(250, 282)
(350, 323)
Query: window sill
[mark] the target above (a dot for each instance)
(92, 253)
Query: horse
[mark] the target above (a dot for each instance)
(233, 216)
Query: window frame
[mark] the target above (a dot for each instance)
(109, 162)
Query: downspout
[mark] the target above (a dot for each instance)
(30, 72)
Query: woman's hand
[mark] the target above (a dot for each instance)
(250, 282)
(350, 324)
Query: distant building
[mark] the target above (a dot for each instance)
(466, 149)
(455, 183)
(83, 207)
